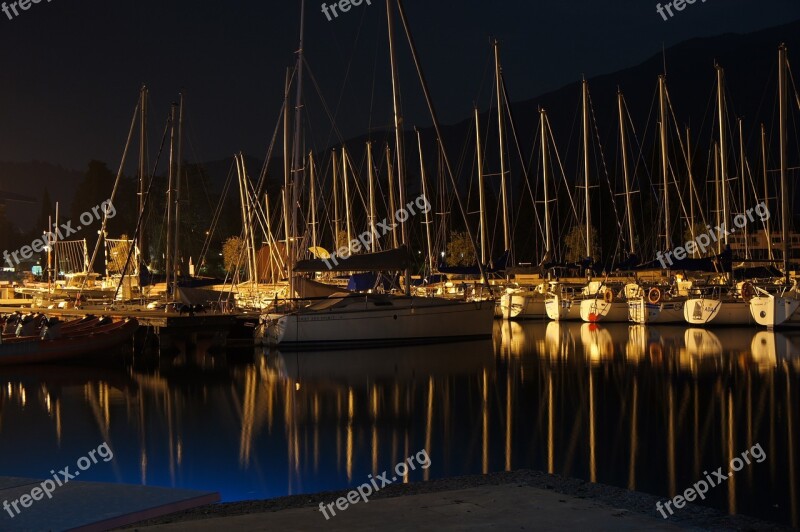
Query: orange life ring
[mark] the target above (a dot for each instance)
(654, 295)
(748, 291)
(608, 296)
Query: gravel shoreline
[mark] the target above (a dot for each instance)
(692, 516)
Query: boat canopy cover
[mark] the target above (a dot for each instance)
(390, 260)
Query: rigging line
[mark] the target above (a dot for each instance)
(519, 152)
(144, 205)
(101, 235)
(563, 173)
(200, 167)
(215, 218)
(331, 117)
(684, 153)
(605, 167)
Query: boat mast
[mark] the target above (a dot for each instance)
(346, 202)
(244, 206)
(744, 189)
(371, 174)
(390, 172)
(548, 246)
(179, 167)
(501, 135)
(723, 166)
(170, 183)
(431, 264)
(585, 91)
(624, 143)
(691, 187)
(336, 221)
(481, 194)
(662, 98)
(766, 188)
(398, 132)
(313, 201)
(287, 171)
(143, 254)
(55, 248)
(297, 158)
(718, 191)
(782, 61)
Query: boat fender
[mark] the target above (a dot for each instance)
(608, 296)
(748, 292)
(654, 295)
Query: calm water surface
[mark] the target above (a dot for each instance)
(644, 408)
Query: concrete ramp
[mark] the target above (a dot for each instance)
(90, 506)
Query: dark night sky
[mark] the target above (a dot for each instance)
(72, 69)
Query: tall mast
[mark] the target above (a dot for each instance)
(784, 184)
(287, 172)
(297, 158)
(742, 170)
(55, 248)
(245, 208)
(371, 177)
(175, 257)
(143, 254)
(431, 263)
(548, 246)
(662, 98)
(691, 187)
(398, 132)
(392, 210)
(501, 135)
(585, 91)
(718, 190)
(624, 142)
(346, 200)
(336, 220)
(723, 166)
(481, 192)
(170, 183)
(313, 202)
(766, 188)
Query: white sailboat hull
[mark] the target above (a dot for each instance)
(700, 311)
(642, 311)
(404, 321)
(562, 309)
(773, 311)
(523, 306)
(596, 310)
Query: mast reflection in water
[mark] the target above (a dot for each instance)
(642, 408)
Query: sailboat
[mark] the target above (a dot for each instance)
(781, 309)
(563, 301)
(720, 304)
(528, 302)
(344, 320)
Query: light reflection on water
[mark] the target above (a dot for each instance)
(644, 408)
